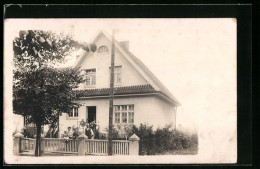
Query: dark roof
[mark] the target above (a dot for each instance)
(139, 89)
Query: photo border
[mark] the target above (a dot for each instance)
(242, 12)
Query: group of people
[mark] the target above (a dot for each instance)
(74, 133)
(71, 134)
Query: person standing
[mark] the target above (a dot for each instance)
(89, 132)
(70, 133)
(75, 133)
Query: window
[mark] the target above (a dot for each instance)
(130, 117)
(90, 78)
(27, 122)
(74, 112)
(117, 75)
(124, 117)
(71, 113)
(124, 114)
(103, 49)
(117, 114)
(131, 114)
(117, 117)
(26, 119)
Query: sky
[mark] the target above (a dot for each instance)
(194, 58)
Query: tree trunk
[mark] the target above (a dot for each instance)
(38, 140)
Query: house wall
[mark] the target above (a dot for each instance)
(151, 110)
(18, 122)
(102, 63)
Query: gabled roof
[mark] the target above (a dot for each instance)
(154, 82)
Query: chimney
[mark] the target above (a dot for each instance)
(125, 44)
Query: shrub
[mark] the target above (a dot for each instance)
(153, 141)
(162, 139)
(98, 135)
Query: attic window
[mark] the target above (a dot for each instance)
(117, 75)
(90, 78)
(103, 49)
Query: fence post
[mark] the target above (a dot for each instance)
(17, 143)
(134, 145)
(81, 144)
(42, 145)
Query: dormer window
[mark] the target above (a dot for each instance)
(90, 78)
(103, 49)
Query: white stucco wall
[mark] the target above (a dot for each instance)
(18, 122)
(102, 61)
(148, 109)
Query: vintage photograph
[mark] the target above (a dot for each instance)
(120, 91)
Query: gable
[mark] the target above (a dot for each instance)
(102, 62)
(135, 72)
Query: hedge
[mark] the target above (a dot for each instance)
(152, 141)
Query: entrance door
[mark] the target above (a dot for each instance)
(91, 113)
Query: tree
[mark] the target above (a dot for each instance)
(40, 91)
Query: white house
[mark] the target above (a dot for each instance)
(139, 96)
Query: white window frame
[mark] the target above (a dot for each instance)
(73, 112)
(133, 116)
(127, 111)
(117, 75)
(115, 120)
(90, 73)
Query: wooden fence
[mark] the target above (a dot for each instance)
(27, 145)
(96, 147)
(120, 147)
(59, 145)
(80, 146)
(100, 147)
